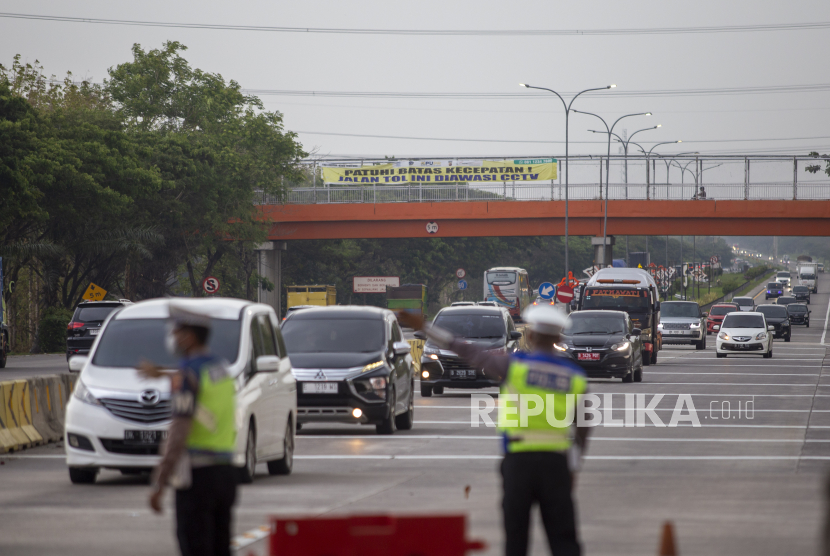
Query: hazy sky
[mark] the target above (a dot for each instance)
(331, 62)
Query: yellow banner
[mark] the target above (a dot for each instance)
(428, 171)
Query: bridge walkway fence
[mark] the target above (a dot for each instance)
(633, 178)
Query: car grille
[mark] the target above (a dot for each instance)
(117, 446)
(137, 411)
(676, 326)
(741, 338)
(324, 374)
(453, 363)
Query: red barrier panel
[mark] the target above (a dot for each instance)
(377, 535)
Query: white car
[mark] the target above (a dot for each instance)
(115, 419)
(745, 332)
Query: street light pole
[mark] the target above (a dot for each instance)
(648, 157)
(609, 132)
(567, 173)
(625, 148)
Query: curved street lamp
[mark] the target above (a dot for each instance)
(625, 148)
(648, 156)
(609, 132)
(567, 176)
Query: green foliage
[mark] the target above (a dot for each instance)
(52, 329)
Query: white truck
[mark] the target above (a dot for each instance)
(807, 275)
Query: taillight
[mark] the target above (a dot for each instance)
(74, 325)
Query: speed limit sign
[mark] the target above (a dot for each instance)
(210, 285)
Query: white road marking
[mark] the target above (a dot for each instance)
(738, 374)
(250, 537)
(710, 458)
(651, 425)
(826, 321)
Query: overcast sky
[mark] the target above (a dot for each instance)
(467, 64)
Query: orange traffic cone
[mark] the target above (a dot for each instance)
(667, 546)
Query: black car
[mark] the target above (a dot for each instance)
(801, 293)
(774, 289)
(785, 300)
(352, 365)
(86, 323)
(605, 344)
(799, 314)
(778, 317)
(489, 327)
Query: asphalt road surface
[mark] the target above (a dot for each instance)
(744, 482)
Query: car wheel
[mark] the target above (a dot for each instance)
(426, 390)
(768, 354)
(246, 473)
(653, 357)
(646, 358)
(404, 421)
(82, 475)
(387, 426)
(808, 324)
(284, 465)
(638, 374)
(438, 389)
(629, 377)
(720, 355)
(700, 345)
(787, 337)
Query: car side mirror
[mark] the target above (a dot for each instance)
(420, 335)
(401, 348)
(515, 335)
(770, 328)
(267, 364)
(77, 362)
(636, 332)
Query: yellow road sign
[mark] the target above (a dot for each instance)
(94, 293)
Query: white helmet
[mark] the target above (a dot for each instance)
(545, 319)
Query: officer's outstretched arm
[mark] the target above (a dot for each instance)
(494, 365)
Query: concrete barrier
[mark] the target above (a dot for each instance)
(47, 417)
(22, 407)
(10, 419)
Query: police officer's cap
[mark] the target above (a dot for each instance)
(545, 319)
(185, 316)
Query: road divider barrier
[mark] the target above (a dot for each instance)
(33, 411)
(372, 535)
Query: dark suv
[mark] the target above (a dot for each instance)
(774, 289)
(86, 323)
(801, 293)
(777, 317)
(489, 327)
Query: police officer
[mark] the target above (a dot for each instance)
(198, 453)
(541, 458)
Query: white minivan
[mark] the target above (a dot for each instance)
(115, 419)
(745, 333)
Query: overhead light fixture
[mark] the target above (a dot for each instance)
(612, 86)
(648, 113)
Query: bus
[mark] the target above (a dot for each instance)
(508, 287)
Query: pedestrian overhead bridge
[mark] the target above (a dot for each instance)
(770, 196)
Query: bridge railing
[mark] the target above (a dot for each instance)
(332, 194)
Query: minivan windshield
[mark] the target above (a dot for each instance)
(773, 286)
(800, 289)
(743, 301)
(679, 309)
(720, 311)
(783, 274)
(333, 335)
(472, 325)
(581, 323)
(797, 308)
(774, 311)
(126, 342)
(737, 320)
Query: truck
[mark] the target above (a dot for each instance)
(634, 291)
(310, 295)
(807, 275)
(411, 298)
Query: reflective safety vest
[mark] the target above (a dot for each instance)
(214, 421)
(544, 379)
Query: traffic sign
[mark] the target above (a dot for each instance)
(462, 284)
(94, 293)
(210, 285)
(374, 284)
(460, 273)
(432, 227)
(547, 290)
(564, 294)
(714, 259)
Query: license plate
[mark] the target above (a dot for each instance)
(94, 331)
(677, 332)
(588, 356)
(319, 387)
(144, 437)
(463, 373)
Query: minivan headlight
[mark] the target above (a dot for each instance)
(560, 346)
(761, 336)
(85, 395)
(723, 336)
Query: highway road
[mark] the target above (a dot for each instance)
(742, 483)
